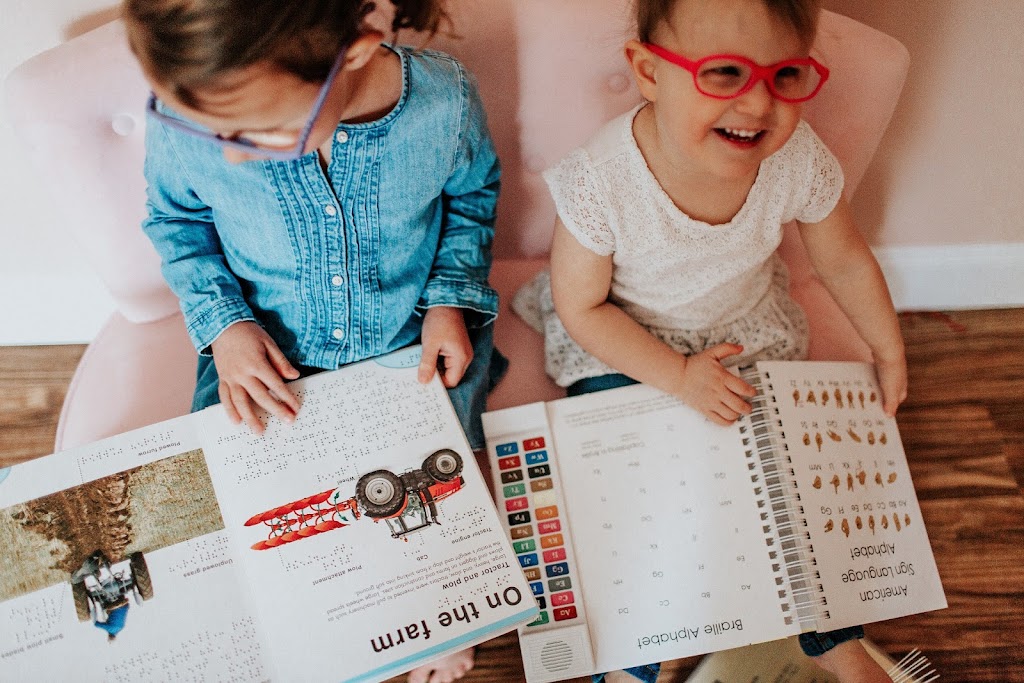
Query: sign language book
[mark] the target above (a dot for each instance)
(648, 533)
(355, 544)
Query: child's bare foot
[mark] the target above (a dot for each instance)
(851, 663)
(444, 670)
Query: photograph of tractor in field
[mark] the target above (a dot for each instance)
(94, 538)
(406, 502)
(101, 590)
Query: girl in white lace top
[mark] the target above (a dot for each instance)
(663, 264)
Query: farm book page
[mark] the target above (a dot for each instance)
(668, 536)
(862, 512)
(367, 535)
(115, 565)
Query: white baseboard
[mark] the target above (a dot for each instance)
(954, 276)
(48, 309)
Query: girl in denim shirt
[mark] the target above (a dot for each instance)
(360, 221)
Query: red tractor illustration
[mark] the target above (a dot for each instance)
(405, 502)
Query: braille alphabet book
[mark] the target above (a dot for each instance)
(649, 533)
(353, 545)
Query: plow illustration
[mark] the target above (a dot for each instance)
(406, 502)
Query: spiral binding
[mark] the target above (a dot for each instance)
(785, 528)
(913, 668)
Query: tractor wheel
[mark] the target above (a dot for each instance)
(380, 494)
(443, 465)
(140, 572)
(81, 598)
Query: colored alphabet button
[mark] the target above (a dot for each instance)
(541, 619)
(511, 476)
(562, 583)
(541, 485)
(507, 448)
(521, 532)
(533, 574)
(533, 444)
(518, 518)
(550, 526)
(542, 603)
(553, 569)
(555, 555)
(514, 490)
(547, 512)
(563, 613)
(559, 599)
(552, 541)
(509, 462)
(536, 470)
(526, 546)
(537, 588)
(528, 560)
(536, 458)
(516, 504)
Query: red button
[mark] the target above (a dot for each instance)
(549, 527)
(556, 555)
(509, 462)
(566, 598)
(563, 613)
(516, 504)
(533, 444)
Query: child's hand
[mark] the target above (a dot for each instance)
(713, 390)
(251, 368)
(892, 377)
(445, 338)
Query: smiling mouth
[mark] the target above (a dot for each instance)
(741, 136)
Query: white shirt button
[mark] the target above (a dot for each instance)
(336, 281)
(338, 334)
(341, 136)
(330, 210)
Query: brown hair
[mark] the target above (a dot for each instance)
(188, 44)
(802, 15)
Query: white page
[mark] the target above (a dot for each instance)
(353, 603)
(145, 492)
(849, 464)
(666, 529)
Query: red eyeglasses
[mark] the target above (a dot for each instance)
(727, 76)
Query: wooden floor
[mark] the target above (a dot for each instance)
(963, 427)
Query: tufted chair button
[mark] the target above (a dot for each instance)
(618, 83)
(123, 124)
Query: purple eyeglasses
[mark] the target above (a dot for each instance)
(240, 142)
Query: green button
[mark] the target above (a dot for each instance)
(524, 546)
(540, 620)
(514, 490)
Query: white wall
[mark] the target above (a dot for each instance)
(948, 173)
(942, 202)
(46, 294)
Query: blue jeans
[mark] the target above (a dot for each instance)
(469, 398)
(813, 643)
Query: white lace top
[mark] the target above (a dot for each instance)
(692, 284)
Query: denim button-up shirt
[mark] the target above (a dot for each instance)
(336, 266)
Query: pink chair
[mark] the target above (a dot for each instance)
(550, 75)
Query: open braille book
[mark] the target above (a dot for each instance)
(649, 533)
(353, 545)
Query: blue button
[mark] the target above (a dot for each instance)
(559, 569)
(507, 448)
(534, 458)
(537, 588)
(528, 560)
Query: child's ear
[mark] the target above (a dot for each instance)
(361, 50)
(642, 62)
